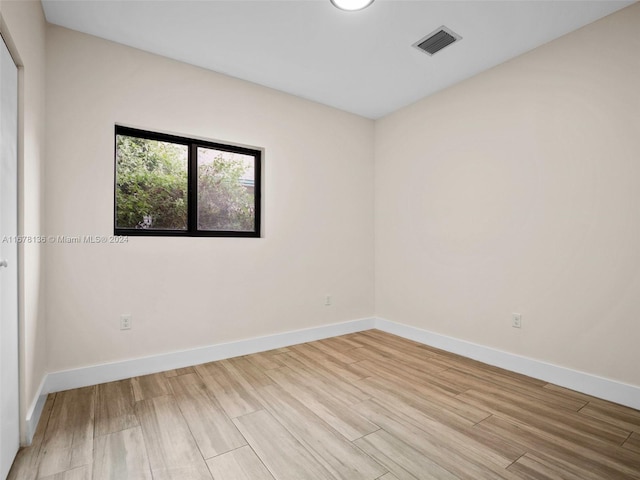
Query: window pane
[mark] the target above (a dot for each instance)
(226, 185)
(151, 184)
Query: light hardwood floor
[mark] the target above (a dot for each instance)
(365, 406)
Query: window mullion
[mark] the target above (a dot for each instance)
(193, 189)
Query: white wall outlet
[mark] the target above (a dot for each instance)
(327, 300)
(516, 320)
(126, 320)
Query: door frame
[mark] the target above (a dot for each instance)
(6, 38)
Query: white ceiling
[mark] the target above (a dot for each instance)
(361, 62)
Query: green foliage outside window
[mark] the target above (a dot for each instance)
(224, 203)
(152, 187)
(151, 184)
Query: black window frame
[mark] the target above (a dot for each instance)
(192, 186)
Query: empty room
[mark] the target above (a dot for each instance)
(319, 240)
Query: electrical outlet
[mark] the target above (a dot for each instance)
(516, 320)
(327, 301)
(126, 320)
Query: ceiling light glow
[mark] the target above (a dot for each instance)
(351, 5)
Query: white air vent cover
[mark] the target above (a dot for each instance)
(437, 40)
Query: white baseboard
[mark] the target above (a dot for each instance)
(34, 413)
(109, 372)
(596, 386)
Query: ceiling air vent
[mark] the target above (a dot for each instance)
(437, 40)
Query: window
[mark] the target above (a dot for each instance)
(169, 185)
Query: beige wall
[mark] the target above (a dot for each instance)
(184, 293)
(23, 26)
(519, 191)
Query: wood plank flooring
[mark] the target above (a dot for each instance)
(364, 406)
